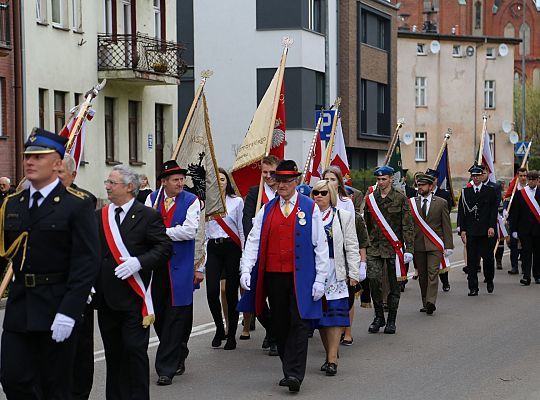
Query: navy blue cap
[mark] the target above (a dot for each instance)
(41, 141)
(304, 189)
(384, 170)
(476, 169)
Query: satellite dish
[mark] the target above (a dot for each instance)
(408, 138)
(435, 46)
(469, 51)
(514, 137)
(506, 126)
(503, 50)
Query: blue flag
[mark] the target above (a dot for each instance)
(445, 178)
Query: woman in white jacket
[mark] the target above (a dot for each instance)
(343, 269)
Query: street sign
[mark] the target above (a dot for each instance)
(521, 148)
(326, 126)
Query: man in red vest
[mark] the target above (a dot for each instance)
(286, 259)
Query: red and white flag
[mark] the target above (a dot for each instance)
(339, 154)
(487, 157)
(77, 149)
(315, 170)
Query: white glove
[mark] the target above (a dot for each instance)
(129, 266)
(62, 327)
(89, 299)
(245, 280)
(448, 252)
(363, 271)
(407, 258)
(505, 213)
(515, 235)
(317, 291)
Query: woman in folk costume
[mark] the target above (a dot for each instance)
(224, 249)
(343, 270)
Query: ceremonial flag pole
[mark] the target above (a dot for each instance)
(393, 141)
(436, 165)
(328, 155)
(482, 140)
(312, 147)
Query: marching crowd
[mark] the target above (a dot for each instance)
(299, 262)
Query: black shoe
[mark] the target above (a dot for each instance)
(283, 382)
(430, 308)
(293, 383)
(473, 292)
(265, 344)
(273, 350)
(465, 269)
(525, 282)
(346, 342)
(513, 272)
(446, 288)
(331, 369)
(181, 368)
(423, 309)
(490, 287)
(324, 366)
(378, 321)
(231, 344)
(218, 337)
(164, 381)
(390, 327)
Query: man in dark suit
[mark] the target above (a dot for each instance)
(268, 167)
(5, 188)
(525, 223)
(477, 219)
(133, 242)
(83, 373)
(52, 281)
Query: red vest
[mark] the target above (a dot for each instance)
(280, 250)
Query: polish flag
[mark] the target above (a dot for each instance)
(339, 154)
(487, 157)
(77, 148)
(315, 169)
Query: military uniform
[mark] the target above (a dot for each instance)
(363, 243)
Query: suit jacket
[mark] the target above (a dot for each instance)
(143, 233)
(445, 194)
(62, 239)
(250, 205)
(438, 219)
(521, 218)
(477, 223)
(86, 192)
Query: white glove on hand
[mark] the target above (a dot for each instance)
(407, 257)
(448, 252)
(363, 271)
(245, 280)
(317, 291)
(515, 235)
(62, 327)
(129, 266)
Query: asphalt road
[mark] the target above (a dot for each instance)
(484, 347)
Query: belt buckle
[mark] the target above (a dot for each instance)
(30, 280)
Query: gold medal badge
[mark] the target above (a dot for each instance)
(302, 222)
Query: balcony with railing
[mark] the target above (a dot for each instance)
(5, 29)
(140, 59)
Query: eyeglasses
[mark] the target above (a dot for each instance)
(319, 192)
(286, 180)
(112, 183)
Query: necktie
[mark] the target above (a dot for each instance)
(168, 203)
(476, 190)
(117, 212)
(424, 208)
(287, 209)
(35, 197)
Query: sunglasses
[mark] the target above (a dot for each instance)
(319, 192)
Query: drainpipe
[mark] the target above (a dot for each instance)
(19, 104)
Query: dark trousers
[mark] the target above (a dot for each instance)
(83, 373)
(265, 318)
(291, 331)
(173, 326)
(514, 254)
(35, 367)
(480, 247)
(126, 344)
(223, 260)
(530, 256)
(443, 276)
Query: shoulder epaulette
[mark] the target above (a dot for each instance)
(77, 193)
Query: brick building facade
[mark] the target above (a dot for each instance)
(495, 18)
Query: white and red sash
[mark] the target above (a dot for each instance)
(531, 202)
(430, 234)
(503, 233)
(118, 249)
(228, 230)
(401, 272)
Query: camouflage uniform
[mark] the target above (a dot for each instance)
(396, 211)
(363, 241)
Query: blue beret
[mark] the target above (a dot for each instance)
(384, 170)
(304, 189)
(41, 141)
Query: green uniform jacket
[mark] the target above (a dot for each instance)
(361, 231)
(395, 209)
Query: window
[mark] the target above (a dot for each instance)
(59, 12)
(5, 37)
(76, 9)
(381, 39)
(126, 8)
(2, 105)
(77, 99)
(420, 151)
(319, 90)
(157, 19)
(456, 50)
(133, 131)
(375, 30)
(160, 125)
(109, 129)
(509, 31)
(478, 15)
(59, 110)
(41, 11)
(108, 16)
(489, 94)
(490, 53)
(374, 109)
(420, 89)
(42, 100)
(421, 49)
(380, 98)
(492, 144)
(316, 15)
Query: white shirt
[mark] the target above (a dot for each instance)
(477, 188)
(235, 211)
(318, 238)
(45, 191)
(188, 230)
(125, 208)
(270, 193)
(429, 198)
(345, 204)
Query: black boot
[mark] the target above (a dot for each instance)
(378, 322)
(391, 323)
